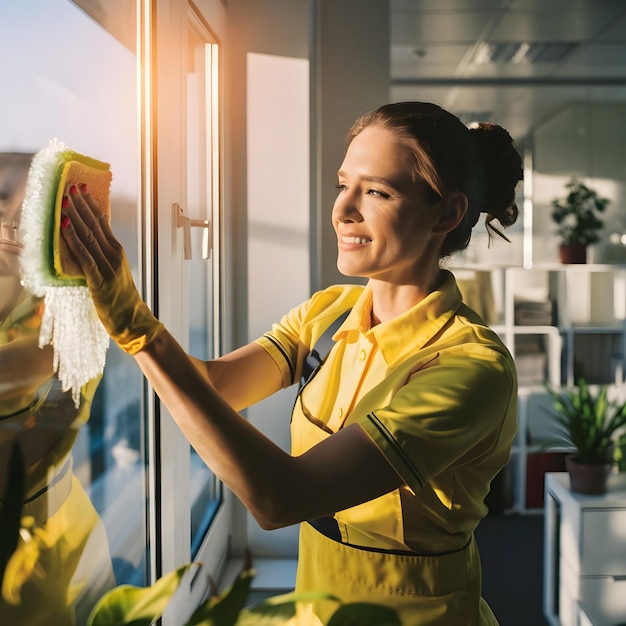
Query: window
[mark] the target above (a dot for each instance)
(73, 74)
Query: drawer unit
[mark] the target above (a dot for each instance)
(594, 541)
(603, 597)
(584, 554)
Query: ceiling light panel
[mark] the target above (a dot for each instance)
(518, 52)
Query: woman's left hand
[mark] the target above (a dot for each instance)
(102, 259)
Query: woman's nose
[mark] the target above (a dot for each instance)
(345, 209)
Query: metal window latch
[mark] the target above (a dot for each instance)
(186, 223)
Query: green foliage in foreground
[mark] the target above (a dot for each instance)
(137, 606)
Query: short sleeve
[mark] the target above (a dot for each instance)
(291, 339)
(459, 410)
(282, 343)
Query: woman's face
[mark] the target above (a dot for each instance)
(384, 225)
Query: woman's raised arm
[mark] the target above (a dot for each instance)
(343, 470)
(244, 376)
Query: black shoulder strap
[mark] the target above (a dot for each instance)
(320, 350)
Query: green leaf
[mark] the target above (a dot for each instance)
(127, 605)
(364, 614)
(589, 421)
(280, 609)
(224, 610)
(577, 215)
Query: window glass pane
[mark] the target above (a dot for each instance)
(70, 73)
(205, 489)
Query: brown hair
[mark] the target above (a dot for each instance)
(480, 162)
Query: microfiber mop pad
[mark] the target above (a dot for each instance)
(70, 322)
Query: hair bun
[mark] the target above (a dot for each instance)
(503, 169)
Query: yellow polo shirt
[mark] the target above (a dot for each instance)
(434, 388)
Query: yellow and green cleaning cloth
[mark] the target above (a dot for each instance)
(70, 322)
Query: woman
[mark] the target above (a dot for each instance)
(72, 568)
(397, 436)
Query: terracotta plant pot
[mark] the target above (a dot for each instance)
(587, 478)
(573, 253)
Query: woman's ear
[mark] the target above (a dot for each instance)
(452, 212)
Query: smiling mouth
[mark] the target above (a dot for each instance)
(355, 240)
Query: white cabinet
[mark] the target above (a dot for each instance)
(584, 554)
(559, 322)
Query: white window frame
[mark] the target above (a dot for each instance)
(163, 26)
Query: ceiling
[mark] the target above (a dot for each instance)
(514, 62)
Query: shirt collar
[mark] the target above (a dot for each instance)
(402, 335)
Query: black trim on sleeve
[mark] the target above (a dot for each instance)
(284, 353)
(382, 429)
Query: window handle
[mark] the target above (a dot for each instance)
(186, 223)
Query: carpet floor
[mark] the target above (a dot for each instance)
(511, 552)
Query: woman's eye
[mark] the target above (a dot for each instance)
(340, 186)
(379, 193)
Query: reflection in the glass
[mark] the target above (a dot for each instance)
(60, 527)
(76, 80)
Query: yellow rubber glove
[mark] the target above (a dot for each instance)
(126, 317)
(88, 235)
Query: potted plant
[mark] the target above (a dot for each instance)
(589, 422)
(578, 222)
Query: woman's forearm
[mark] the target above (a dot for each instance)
(258, 471)
(244, 376)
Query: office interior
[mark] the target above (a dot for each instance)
(224, 124)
